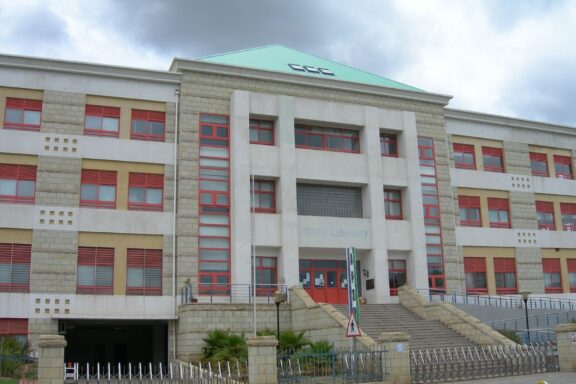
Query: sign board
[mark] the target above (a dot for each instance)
(352, 330)
(352, 283)
(573, 337)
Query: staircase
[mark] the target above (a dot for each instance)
(378, 318)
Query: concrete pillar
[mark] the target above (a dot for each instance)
(566, 338)
(51, 359)
(262, 360)
(397, 345)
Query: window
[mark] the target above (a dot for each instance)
(505, 275)
(264, 194)
(95, 270)
(396, 275)
(23, 114)
(15, 267)
(493, 159)
(539, 164)
(552, 275)
(98, 189)
(545, 215)
(464, 156)
(389, 144)
(568, 212)
(469, 211)
(147, 125)
(144, 272)
(498, 213)
(327, 139)
(17, 328)
(102, 121)
(475, 271)
(571, 264)
(329, 200)
(266, 276)
(261, 132)
(17, 183)
(393, 204)
(145, 191)
(563, 167)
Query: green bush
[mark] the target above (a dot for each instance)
(511, 335)
(290, 341)
(221, 345)
(12, 356)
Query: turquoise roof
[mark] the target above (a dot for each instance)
(277, 58)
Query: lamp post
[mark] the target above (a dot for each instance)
(279, 298)
(525, 296)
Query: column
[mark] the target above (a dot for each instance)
(262, 360)
(397, 345)
(566, 339)
(51, 359)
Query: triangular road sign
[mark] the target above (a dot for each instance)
(352, 330)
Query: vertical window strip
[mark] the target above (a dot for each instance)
(433, 227)
(214, 205)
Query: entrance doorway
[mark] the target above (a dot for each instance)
(325, 280)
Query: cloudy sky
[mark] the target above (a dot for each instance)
(511, 57)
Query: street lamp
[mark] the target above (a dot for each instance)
(525, 296)
(279, 298)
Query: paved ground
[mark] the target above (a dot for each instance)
(550, 378)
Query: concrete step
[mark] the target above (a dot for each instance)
(378, 318)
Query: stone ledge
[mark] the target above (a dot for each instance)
(563, 328)
(51, 341)
(393, 336)
(262, 341)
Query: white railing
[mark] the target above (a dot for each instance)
(232, 293)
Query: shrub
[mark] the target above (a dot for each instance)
(511, 335)
(13, 354)
(221, 345)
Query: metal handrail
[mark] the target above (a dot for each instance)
(505, 301)
(231, 293)
(544, 321)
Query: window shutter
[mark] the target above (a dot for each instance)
(8, 171)
(157, 116)
(94, 110)
(139, 114)
(567, 208)
(27, 172)
(551, 265)
(13, 326)
(504, 265)
(137, 179)
(108, 177)
(111, 111)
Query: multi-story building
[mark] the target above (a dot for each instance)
(279, 161)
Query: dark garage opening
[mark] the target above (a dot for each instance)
(115, 341)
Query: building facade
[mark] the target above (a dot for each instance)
(279, 161)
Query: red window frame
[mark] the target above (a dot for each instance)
(98, 178)
(545, 208)
(396, 268)
(13, 327)
(542, 159)
(491, 152)
(568, 212)
(552, 267)
(475, 266)
(505, 266)
(565, 162)
(11, 255)
(18, 173)
(149, 260)
(214, 134)
(389, 144)
(147, 181)
(148, 118)
(96, 257)
(266, 289)
(392, 197)
(23, 105)
(101, 112)
(499, 205)
(258, 128)
(459, 151)
(470, 203)
(307, 133)
(259, 191)
(571, 265)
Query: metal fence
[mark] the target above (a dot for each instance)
(540, 321)
(332, 366)
(465, 363)
(19, 367)
(231, 293)
(504, 301)
(219, 373)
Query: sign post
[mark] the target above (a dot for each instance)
(352, 283)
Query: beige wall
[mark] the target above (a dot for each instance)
(15, 236)
(478, 144)
(484, 194)
(8, 158)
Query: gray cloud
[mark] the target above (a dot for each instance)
(39, 28)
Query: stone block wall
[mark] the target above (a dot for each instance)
(53, 261)
(529, 270)
(58, 181)
(523, 210)
(63, 112)
(516, 158)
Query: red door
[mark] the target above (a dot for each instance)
(325, 280)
